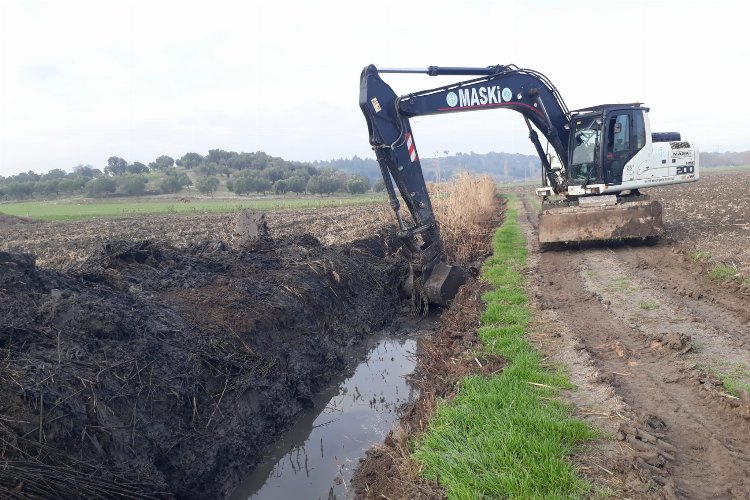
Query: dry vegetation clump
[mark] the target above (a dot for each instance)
(465, 209)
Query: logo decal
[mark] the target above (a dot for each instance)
(451, 99)
(375, 104)
(507, 94)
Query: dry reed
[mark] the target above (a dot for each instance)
(466, 209)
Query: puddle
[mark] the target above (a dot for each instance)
(316, 458)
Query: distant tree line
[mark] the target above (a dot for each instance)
(728, 159)
(243, 173)
(117, 178)
(503, 167)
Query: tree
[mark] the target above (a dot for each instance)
(162, 163)
(261, 185)
(297, 184)
(55, 173)
(379, 186)
(21, 190)
(29, 176)
(207, 185)
(50, 187)
(101, 186)
(190, 160)
(86, 171)
(281, 186)
(275, 173)
(137, 168)
(249, 182)
(133, 185)
(323, 183)
(220, 156)
(313, 185)
(208, 168)
(73, 184)
(358, 184)
(116, 166)
(174, 181)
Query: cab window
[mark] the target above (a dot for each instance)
(620, 133)
(639, 130)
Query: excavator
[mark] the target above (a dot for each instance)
(602, 156)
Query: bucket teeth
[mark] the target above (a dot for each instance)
(637, 219)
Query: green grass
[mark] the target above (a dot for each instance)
(85, 208)
(503, 436)
(621, 284)
(722, 272)
(732, 385)
(735, 377)
(649, 305)
(701, 255)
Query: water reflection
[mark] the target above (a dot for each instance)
(316, 458)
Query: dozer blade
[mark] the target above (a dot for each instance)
(636, 219)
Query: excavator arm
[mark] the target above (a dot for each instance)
(525, 91)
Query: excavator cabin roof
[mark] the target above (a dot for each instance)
(608, 107)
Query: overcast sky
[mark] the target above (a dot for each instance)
(82, 81)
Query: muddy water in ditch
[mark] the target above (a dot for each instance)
(316, 458)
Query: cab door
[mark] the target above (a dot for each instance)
(618, 145)
(624, 137)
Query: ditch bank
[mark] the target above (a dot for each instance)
(152, 371)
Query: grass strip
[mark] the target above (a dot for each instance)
(506, 436)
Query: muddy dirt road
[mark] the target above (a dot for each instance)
(649, 338)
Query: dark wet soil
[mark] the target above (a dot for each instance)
(151, 370)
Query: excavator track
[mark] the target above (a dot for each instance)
(601, 221)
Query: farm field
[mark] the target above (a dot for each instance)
(86, 208)
(171, 353)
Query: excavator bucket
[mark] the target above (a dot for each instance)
(441, 284)
(600, 219)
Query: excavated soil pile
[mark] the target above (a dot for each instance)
(152, 370)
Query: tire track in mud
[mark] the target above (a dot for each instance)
(654, 330)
